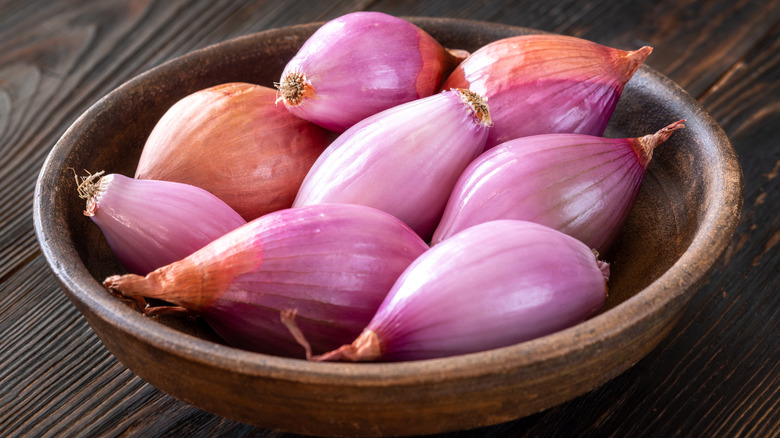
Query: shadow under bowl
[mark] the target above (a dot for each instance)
(686, 213)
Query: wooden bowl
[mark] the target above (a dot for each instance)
(687, 211)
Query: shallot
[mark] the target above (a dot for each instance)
(148, 223)
(582, 185)
(492, 285)
(539, 84)
(333, 263)
(404, 160)
(360, 64)
(234, 141)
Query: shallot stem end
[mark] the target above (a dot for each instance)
(651, 141)
(288, 319)
(366, 348)
(136, 301)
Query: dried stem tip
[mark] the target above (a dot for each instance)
(365, 348)
(294, 88)
(478, 105)
(651, 141)
(634, 60)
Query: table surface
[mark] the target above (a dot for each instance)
(717, 374)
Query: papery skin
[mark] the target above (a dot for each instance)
(582, 185)
(234, 141)
(539, 84)
(333, 264)
(362, 63)
(149, 224)
(493, 285)
(404, 160)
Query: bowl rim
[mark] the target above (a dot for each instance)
(711, 238)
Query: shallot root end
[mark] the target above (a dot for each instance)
(294, 88)
(87, 187)
(478, 105)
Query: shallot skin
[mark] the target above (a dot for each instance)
(404, 160)
(539, 84)
(492, 285)
(582, 185)
(234, 141)
(360, 64)
(333, 264)
(149, 224)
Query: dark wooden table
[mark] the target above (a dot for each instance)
(717, 374)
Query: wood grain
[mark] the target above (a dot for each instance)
(716, 375)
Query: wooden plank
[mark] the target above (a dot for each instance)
(711, 377)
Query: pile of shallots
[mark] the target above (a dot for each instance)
(390, 199)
